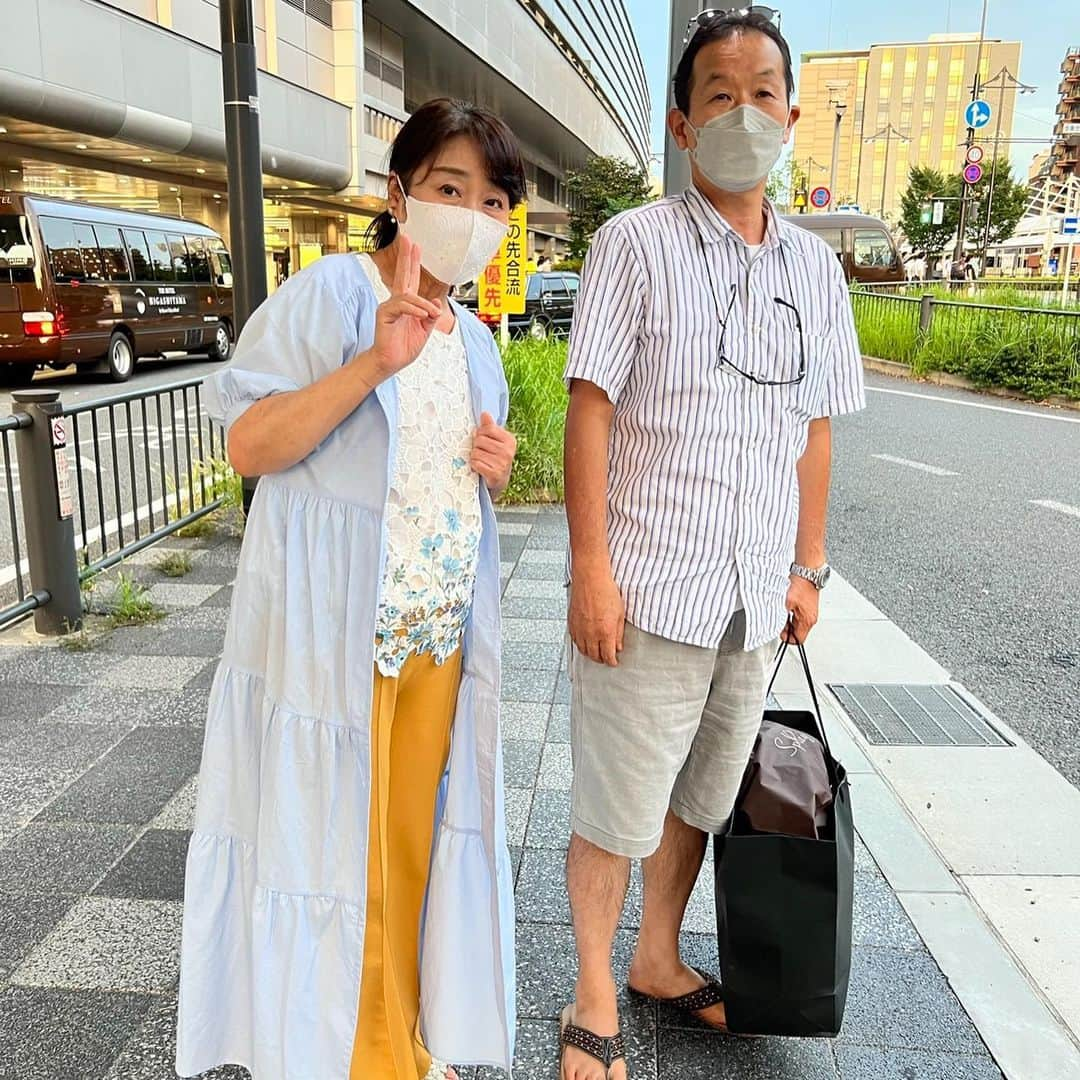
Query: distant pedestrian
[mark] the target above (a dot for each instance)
(543, 264)
(349, 848)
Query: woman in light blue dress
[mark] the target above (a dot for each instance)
(348, 907)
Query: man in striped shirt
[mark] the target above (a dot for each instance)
(712, 343)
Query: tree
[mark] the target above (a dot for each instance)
(1008, 206)
(924, 185)
(784, 181)
(604, 188)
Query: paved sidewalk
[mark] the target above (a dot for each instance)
(100, 751)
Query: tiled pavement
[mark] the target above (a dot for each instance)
(99, 752)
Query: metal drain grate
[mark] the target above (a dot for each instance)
(901, 715)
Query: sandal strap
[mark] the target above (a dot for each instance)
(606, 1051)
(703, 998)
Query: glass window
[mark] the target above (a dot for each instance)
(198, 259)
(141, 266)
(873, 248)
(113, 255)
(16, 250)
(160, 257)
(572, 284)
(533, 290)
(65, 258)
(222, 266)
(179, 256)
(834, 238)
(93, 266)
(554, 287)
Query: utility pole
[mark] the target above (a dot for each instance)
(965, 192)
(837, 99)
(888, 134)
(999, 80)
(676, 161)
(1073, 189)
(243, 157)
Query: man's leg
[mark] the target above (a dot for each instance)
(701, 803)
(596, 881)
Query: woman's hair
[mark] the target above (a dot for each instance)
(423, 136)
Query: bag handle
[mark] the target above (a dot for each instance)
(780, 654)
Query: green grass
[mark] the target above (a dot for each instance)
(538, 401)
(130, 603)
(175, 564)
(1024, 351)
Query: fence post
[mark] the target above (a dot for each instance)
(926, 314)
(47, 508)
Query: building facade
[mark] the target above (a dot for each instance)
(901, 106)
(1065, 154)
(120, 102)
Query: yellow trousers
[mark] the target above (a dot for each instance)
(411, 719)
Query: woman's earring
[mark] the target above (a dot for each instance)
(393, 220)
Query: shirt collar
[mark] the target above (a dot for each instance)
(714, 228)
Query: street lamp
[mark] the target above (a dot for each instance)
(888, 134)
(837, 96)
(998, 82)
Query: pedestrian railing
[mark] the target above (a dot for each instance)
(93, 484)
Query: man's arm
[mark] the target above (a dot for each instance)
(597, 612)
(813, 471)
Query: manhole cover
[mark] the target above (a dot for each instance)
(896, 714)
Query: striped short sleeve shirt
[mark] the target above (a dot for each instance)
(703, 492)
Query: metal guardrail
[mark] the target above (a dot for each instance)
(96, 483)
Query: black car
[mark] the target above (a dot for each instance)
(549, 305)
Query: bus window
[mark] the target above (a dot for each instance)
(160, 257)
(197, 256)
(222, 268)
(16, 251)
(113, 255)
(178, 252)
(141, 266)
(65, 258)
(91, 256)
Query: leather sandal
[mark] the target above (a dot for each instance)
(605, 1050)
(695, 1002)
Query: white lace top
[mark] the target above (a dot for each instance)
(433, 510)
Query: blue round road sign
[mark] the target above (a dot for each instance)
(820, 197)
(977, 114)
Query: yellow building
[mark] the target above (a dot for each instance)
(908, 100)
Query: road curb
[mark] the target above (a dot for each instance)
(896, 370)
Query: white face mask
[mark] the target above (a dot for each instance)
(737, 149)
(455, 243)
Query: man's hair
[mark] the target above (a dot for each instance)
(720, 29)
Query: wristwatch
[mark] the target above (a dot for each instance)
(818, 578)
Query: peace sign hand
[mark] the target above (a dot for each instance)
(404, 322)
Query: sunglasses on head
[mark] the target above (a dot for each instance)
(707, 18)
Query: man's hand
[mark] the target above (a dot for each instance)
(493, 453)
(803, 601)
(597, 618)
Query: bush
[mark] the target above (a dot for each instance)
(538, 401)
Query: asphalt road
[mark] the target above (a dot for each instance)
(959, 516)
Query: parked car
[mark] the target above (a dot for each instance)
(549, 305)
(95, 286)
(863, 244)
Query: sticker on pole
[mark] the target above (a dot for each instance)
(974, 155)
(820, 197)
(977, 114)
(973, 173)
(64, 491)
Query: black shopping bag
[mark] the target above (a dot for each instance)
(783, 908)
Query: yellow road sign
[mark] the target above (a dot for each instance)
(503, 282)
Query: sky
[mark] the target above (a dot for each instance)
(1045, 29)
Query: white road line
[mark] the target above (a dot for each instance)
(1061, 508)
(932, 469)
(1037, 415)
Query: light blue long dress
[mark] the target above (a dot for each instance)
(275, 888)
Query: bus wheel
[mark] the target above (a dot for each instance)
(16, 376)
(222, 345)
(121, 357)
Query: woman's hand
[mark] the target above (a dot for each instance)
(493, 453)
(404, 322)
